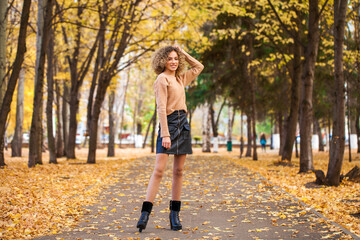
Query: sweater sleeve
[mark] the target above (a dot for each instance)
(160, 89)
(196, 68)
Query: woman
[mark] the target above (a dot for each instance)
(174, 131)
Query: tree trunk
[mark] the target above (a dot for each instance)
(215, 124)
(306, 110)
(50, 99)
(111, 143)
(281, 132)
(154, 130)
(241, 134)
(59, 138)
(123, 105)
(328, 138)
(253, 114)
(206, 146)
(16, 144)
(21, 49)
(292, 120)
(249, 136)
(109, 69)
(317, 131)
(338, 137)
(357, 101)
(71, 142)
(77, 78)
(65, 117)
(3, 37)
(93, 133)
(36, 123)
(348, 118)
(3, 44)
(35, 146)
(96, 73)
(357, 123)
(214, 128)
(230, 123)
(148, 129)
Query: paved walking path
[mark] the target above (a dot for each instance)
(221, 200)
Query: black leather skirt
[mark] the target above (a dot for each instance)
(180, 136)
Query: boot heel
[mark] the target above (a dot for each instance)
(175, 223)
(144, 218)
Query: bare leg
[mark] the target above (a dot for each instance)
(179, 161)
(154, 183)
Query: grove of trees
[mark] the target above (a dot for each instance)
(294, 62)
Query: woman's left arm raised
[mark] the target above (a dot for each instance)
(196, 68)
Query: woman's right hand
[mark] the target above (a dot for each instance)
(166, 142)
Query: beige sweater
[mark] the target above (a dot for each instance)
(170, 92)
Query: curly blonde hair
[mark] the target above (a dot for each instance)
(160, 59)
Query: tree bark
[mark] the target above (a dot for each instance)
(231, 115)
(215, 124)
(123, 105)
(253, 115)
(281, 132)
(357, 123)
(292, 120)
(35, 146)
(338, 138)
(74, 91)
(206, 146)
(50, 99)
(21, 49)
(16, 144)
(98, 62)
(148, 129)
(64, 113)
(59, 137)
(357, 42)
(36, 123)
(241, 134)
(111, 143)
(318, 132)
(249, 136)
(3, 32)
(306, 110)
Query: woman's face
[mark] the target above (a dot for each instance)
(172, 61)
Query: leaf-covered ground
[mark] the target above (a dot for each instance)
(340, 204)
(220, 200)
(50, 198)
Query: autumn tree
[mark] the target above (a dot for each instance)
(50, 98)
(36, 129)
(79, 65)
(127, 20)
(338, 138)
(14, 75)
(16, 143)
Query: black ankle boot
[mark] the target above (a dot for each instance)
(174, 215)
(144, 218)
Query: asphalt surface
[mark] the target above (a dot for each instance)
(220, 200)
